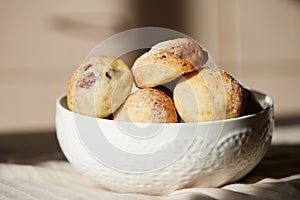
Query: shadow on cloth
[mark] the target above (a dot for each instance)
(280, 161)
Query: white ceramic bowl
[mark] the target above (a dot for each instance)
(206, 154)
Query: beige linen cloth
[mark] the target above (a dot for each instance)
(59, 180)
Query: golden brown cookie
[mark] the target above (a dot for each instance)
(211, 94)
(148, 105)
(166, 61)
(99, 86)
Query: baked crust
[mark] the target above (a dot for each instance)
(148, 105)
(99, 86)
(167, 61)
(211, 94)
(153, 69)
(186, 49)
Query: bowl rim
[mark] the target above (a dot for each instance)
(268, 100)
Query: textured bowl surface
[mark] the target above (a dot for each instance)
(207, 154)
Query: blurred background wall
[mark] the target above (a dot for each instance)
(257, 41)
